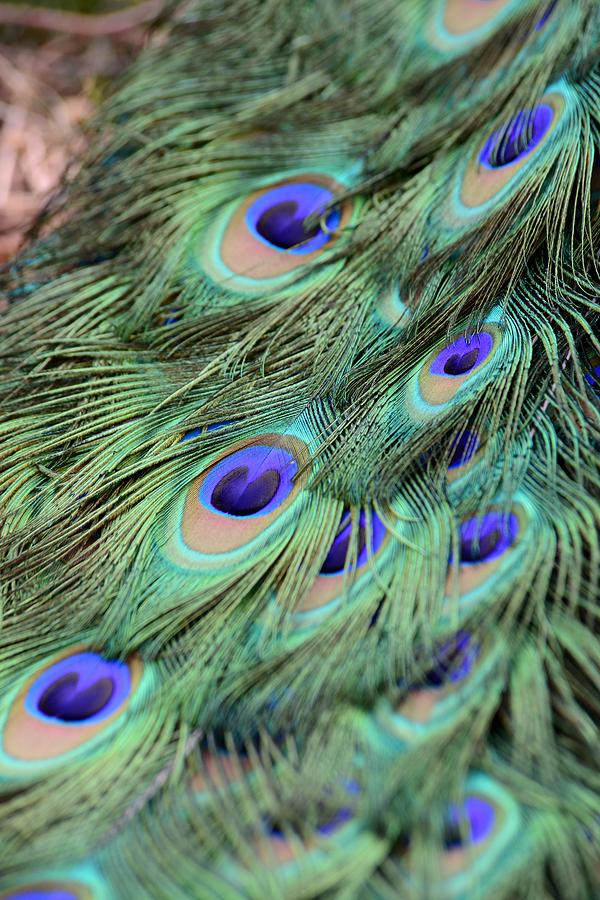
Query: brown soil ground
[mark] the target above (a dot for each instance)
(50, 83)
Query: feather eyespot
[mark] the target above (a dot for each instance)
(463, 452)
(335, 561)
(224, 766)
(458, 24)
(82, 882)
(236, 498)
(329, 825)
(82, 688)
(478, 831)
(72, 700)
(252, 481)
(441, 698)
(45, 891)
(483, 539)
(498, 165)
(442, 687)
(278, 217)
(454, 661)
(479, 838)
(486, 543)
(357, 543)
(265, 239)
(281, 845)
(463, 355)
(463, 448)
(518, 138)
(453, 367)
(470, 823)
(64, 699)
(254, 487)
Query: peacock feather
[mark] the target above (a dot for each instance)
(300, 422)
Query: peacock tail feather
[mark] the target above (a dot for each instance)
(299, 434)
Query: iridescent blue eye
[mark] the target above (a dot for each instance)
(340, 818)
(473, 821)
(454, 661)
(517, 138)
(83, 688)
(250, 482)
(273, 235)
(462, 355)
(336, 558)
(593, 377)
(278, 217)
(173, 317)
(274, 829)
(214, 426)
(546, 15)
(484, 538)
(464, 447)
(41, 894)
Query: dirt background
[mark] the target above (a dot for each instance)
(56, 63)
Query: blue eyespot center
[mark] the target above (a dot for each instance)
(463, 355)
(593, 377)
(281, 226)
(469, 824)
(278, 217)
(42, 894)
(335, 561)
(459, 363)
(237, 495)
(342, 816)
(80, 689)
(517, 138)
(252, 481)
(454, 661)
(336, 558)
(485, 538)
(546, 15)
(64, 700)
(464, 447)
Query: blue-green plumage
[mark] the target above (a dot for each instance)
(299, 433)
